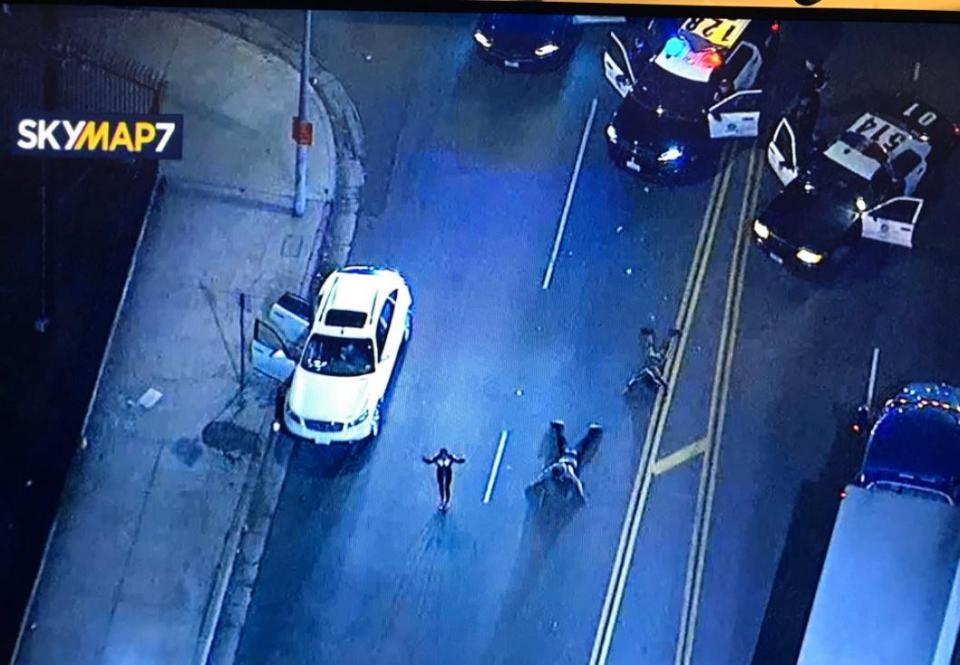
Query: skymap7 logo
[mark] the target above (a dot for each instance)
(99, 135)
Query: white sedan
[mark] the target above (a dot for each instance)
(347, 358)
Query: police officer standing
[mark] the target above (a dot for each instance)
(815, 79)
(807, 108)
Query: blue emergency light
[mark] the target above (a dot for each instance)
(676, 47)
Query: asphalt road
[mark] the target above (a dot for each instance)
(469, 168)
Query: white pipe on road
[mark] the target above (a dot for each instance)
(872, 382)
(496, 467)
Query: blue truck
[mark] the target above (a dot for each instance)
(889, 591)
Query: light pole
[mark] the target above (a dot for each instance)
(302, 129)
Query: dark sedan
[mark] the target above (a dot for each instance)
(526, 42)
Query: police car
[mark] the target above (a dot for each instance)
(526, 42)
(685, 85)
(862, 185)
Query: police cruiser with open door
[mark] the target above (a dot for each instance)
(863, 184)
(686, 86)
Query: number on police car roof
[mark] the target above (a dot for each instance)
(723, 32)
(879, 131)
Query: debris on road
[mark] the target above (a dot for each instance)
(149, 399)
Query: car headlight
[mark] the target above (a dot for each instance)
(761, 229)
(482, 39)
(671, 154)
(546, 49)
(359, 419)
(808, 257)
(612, 133)
(861, 204)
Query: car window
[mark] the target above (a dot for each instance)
(901, 211)
(344, 318)
(383, 324)
(737, 61)
(338, 356)
(905, 163)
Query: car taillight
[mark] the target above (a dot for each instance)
(843, 494)
(775, 27)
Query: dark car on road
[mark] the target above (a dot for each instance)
(863, 184)
(526, 42)
(686, 86)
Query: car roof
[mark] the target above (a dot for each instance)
(352, 290)
(860, 148)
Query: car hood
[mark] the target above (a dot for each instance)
(639, 124)
(520, 32)
(808, 220)
(331, 398)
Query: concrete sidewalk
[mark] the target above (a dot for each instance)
(158, 492)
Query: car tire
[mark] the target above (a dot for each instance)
(376, 420)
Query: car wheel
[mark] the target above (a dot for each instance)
(375, 422)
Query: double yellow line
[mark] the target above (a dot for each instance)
(718, 409)
(651, 447)
(709, 445)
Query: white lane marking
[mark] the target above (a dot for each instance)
(916, 71)
(496, 467)
(561, 227)
(679, 457)
(872, 383)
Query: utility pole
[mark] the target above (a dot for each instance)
(302, 129)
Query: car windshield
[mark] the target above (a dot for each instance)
(338, 356)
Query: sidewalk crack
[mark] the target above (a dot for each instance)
(212, 303)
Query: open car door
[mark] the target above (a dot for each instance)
(736, 116)
(782, 153)
(277, 342)
(616, 66)
(893, 221)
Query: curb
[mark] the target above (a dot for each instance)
(237, 571)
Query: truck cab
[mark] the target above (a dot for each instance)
(914, 446)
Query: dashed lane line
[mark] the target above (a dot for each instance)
(564, 215)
